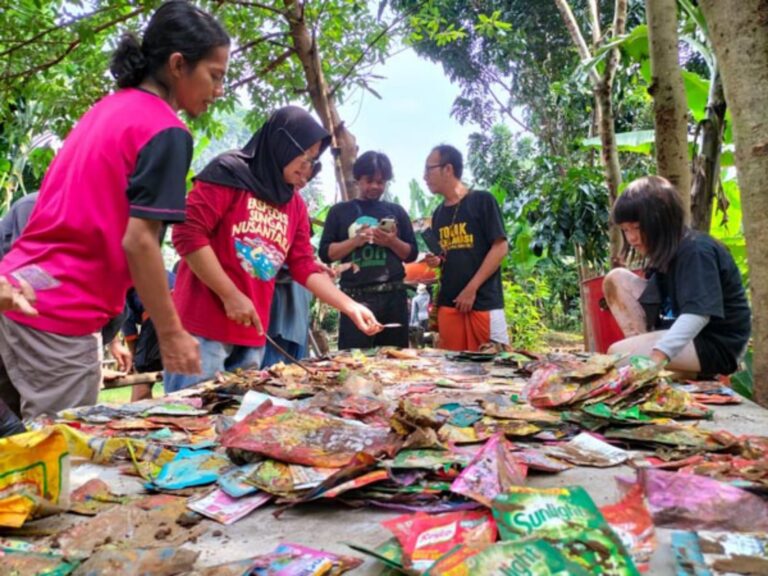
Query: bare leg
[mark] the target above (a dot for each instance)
(141, 392)
(686, 361)
(622, 290)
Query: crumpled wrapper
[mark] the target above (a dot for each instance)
(691, 502)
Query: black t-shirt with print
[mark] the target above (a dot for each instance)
(702, 279)
(467, 231)
(377, 264)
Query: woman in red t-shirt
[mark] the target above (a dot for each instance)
(245, 220)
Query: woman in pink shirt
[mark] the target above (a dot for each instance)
(96, 227)
(245, 220)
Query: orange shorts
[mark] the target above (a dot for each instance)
(470, 330)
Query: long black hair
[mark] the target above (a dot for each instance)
(177, 26)
(654, 203)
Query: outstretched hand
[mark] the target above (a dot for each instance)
(364, 319)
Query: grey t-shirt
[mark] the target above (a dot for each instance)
(14, 221)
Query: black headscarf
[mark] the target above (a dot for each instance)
(258, 167)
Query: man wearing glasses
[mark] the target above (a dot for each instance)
(473, 243)
(376, 237)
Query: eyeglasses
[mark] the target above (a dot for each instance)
(309, 162)
(429, 167)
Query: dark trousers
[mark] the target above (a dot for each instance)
(9, 421)
(389, 308)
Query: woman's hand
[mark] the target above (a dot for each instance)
(363, 318)
(239, 308)
(659, 358)
(19, 299)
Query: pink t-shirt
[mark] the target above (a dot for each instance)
(128, 156)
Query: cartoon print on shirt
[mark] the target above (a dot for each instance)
(370, 254)
(261, 242)
(258, 258)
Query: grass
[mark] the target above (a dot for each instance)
(566, 341)
(123, 395)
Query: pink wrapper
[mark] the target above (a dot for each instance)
(691, 502)
(492, 471)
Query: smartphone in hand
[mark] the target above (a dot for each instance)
(387, 224)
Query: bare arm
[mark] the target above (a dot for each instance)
(323, 287)
(179, 350)
(239, 308)
(466, 298)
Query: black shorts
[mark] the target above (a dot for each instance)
(714, 358)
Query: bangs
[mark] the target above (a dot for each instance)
(628, 208)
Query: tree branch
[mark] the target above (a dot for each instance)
(252, 43)
(594, 12)
(22, 43)
(264, 70)
(249, 4)
(371, 44)
(618, 29)
(506, 109)
(72, 46)
(573, 29)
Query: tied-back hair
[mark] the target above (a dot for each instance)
(654, 203)
(371, 163)
(451, 155)
(177, 26)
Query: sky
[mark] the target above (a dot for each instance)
(411, 118)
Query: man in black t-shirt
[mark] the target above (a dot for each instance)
(471, 233)
(377, 237)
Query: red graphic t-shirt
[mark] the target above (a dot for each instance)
(252, 240)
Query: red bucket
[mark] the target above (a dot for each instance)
(603, 329)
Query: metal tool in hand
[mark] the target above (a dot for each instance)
(288, 355)
(392, 325)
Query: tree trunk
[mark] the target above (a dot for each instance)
(669, 103)
(345, 144)
(609, 153)
(603, 91)
(706, 165)
(738, 30)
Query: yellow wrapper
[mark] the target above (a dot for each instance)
(34, 474)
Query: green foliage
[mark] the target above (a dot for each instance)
(56, 53)
(727, 227)
(526, 329)
(742, 381)
(421, 203)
